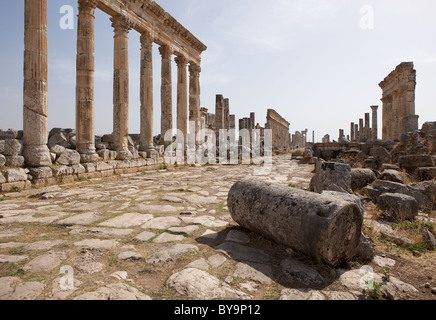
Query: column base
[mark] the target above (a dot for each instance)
(89, 157)
(37, 156)
(124, 154)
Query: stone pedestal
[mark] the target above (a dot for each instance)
(35, 94)
(85, 66)
(121, 27)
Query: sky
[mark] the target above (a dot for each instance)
(318, 63)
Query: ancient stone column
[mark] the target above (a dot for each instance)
(85, 67)
(367, 129)
(219, 112)
(194, 97)
(352, 132)
(146, 88)
(326, 227)
(182, 97)
(121, 27)
(374, 135)
(166, 94)
(35, 93)
(361, 130)
(227, 114)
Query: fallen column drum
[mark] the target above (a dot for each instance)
(326, 227)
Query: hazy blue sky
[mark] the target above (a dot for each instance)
(310, 60)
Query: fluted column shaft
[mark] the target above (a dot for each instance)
(35, 90)
(194, 97)
(85, 67)
(166, 92)
(182, 97)
(146, 88)
(121, 27)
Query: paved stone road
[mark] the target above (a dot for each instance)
(153, 235)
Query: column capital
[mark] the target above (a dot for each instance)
(165, 52)
(181, 61)
(194, 69)
(87, 6)
(121, 23)
(146, 40)
(374, 108)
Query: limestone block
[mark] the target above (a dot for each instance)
(104, 154)
(41, 173)
(10, 134)
(422, 174)
(78, 169)
(10, 186)
(69, 157)
(2, 146)
(360, 178)
(398, 207)
(89, 167)
(2, 178)
(392, 175)
(57, 149)
(13, 147)
(2, 160)
(331, 176)
(62, 171)
(59, 139)
(291, 216)
(427, 188)
(37, 156)
(14, 175)
(412, 162)
(15, 161)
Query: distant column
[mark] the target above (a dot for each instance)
(367, 130)
(219, 112)
(226, 114)
(374, 123)
(35, 93)
(146, 95)
(356, 132)
(361, 130)
(85, 68)
(182, 97)
(194, 97)
(352, 132)
(166, 93)
(121, 27)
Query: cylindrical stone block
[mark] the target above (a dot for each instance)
(320, 226)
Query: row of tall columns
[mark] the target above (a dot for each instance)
(35, 91)
(365, 130)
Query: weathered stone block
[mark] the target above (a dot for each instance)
(78, 169)
(59, 139)
(291, 216)
(57, 149)
(10, 134)
(89, 167)
(360, 178)
(59, 171)
(422, 174)
(398, 207)
(10, 186)
(104, 154)
(104, 166)
(15, 161)
(14, 175)
(2, 160)
(2, 146)
(410, 163)
(2, 178)
(392, 175)
(44, 182)
(69, 157)
(41, 173)
(331, 176)
(13, 147)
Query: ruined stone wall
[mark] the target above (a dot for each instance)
(280, 131)
(399, 102)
